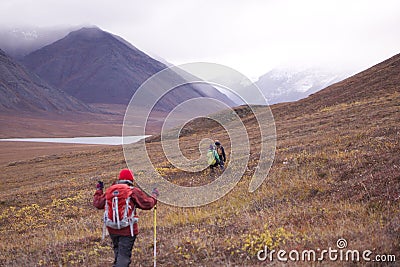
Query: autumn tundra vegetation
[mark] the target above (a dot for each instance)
(336, 174)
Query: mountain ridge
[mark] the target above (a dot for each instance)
(97, 67)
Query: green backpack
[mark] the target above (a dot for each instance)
(211, 159)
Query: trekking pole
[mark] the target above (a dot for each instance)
(155, 236)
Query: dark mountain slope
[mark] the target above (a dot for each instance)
(22, 91)
(98, 67)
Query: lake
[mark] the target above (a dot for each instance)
(102, 140)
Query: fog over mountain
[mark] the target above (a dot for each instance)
(20, 41)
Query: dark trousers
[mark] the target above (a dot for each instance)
(213, 166)
(221, 164)
(122, 246)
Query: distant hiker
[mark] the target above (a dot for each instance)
(221, 153)
(212, 158)
(120, 202)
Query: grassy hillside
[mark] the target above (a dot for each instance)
(335, 175)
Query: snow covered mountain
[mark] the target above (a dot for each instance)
(291, 84)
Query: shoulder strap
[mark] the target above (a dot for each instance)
(216, 154)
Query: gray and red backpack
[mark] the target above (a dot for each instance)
(119, 209)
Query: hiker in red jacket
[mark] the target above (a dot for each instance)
(124, 230)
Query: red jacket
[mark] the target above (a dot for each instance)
(140, 200)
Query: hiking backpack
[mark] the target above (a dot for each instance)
(119, 209)
(211, 157)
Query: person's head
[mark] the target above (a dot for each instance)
(126, 176)
(211, 147)
(217, 143)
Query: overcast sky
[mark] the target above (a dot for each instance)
(251, 36)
